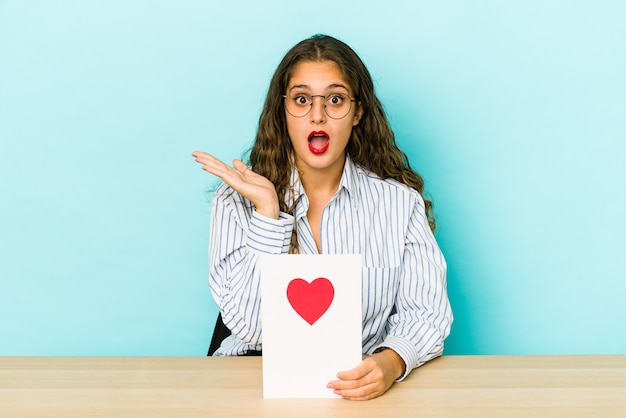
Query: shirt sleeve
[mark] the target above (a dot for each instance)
(238, 234)
(423, 316)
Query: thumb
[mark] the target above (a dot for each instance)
(240, 166)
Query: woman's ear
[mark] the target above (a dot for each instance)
(358, 114)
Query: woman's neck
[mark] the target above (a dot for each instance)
(325, 181)
(320, 185)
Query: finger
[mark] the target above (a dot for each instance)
(240, 166)
(214, 165)
(203, 156)
(365, 367)
(361, 393)
(243, 169)
(352, 384)
(222, 171)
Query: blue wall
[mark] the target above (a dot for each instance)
(514, 112)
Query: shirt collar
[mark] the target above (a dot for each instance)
(349, 182)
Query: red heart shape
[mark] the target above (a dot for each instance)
(310, 300)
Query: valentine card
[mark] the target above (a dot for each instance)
(311, 318)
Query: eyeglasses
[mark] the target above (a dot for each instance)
(336, 105)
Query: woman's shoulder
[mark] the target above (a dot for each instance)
(224, 191)
(368, 178)
(376, 191)
(224, 194)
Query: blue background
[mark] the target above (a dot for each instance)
(514, 112)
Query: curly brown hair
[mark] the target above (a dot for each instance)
(372, 143)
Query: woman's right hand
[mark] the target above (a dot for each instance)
(254, 187)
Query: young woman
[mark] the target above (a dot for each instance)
(326, 176)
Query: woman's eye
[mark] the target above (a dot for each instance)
(335, 99)
(301, 100)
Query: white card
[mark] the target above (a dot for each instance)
(311, 319)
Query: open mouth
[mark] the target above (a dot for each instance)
(318, 142)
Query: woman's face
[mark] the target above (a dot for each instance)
(319, 141)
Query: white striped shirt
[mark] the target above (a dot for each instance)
(405, 302)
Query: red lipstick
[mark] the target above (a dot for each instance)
(318, 142)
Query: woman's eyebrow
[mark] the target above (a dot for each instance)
(334, 86)
(329, 87)
(300, 86)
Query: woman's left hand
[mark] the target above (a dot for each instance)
(370, 379)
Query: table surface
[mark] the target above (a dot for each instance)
(464, 386)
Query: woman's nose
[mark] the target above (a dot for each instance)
(318, 113)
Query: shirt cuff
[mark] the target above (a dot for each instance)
(405, 349)
(268, 235)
